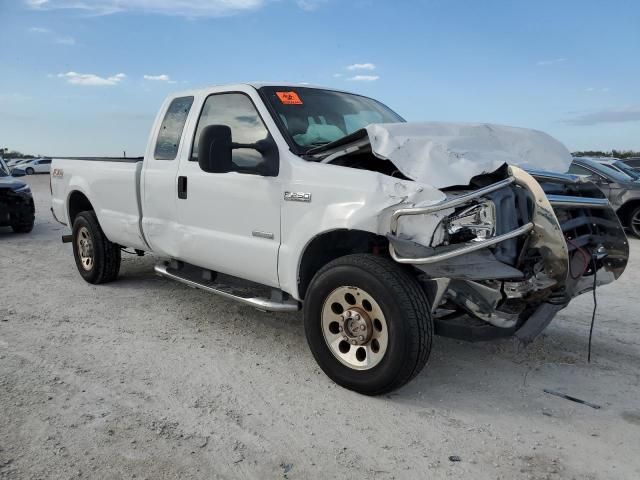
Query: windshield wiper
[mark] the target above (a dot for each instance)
(352, 137)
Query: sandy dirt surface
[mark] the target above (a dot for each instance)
(145, 378)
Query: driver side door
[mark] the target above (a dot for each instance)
(230, 222)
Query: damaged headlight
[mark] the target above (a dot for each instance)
(474, 223)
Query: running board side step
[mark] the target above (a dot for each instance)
(227, 291)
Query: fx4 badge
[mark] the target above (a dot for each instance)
(297, 197)
(57, 172)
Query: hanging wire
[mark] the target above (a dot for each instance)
(595, 304)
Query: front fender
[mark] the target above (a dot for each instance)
(348, 199)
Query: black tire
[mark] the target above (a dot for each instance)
(29, 171)
(105, 255)
(23, 225)
(406, 310)
(634, 222)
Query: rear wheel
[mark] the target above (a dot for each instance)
(97, 259)
(368, 323)
(634, 222)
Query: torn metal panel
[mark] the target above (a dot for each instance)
(479, 265)
(481, 301)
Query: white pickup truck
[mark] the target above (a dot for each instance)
(384, 232)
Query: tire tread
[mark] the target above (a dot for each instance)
(108, 265)
(412, 300)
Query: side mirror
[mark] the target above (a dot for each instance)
(17, 173)
(214, 149)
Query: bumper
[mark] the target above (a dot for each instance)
(446, 205)
(15, 205)
(567, 233)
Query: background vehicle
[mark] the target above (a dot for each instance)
(615, 164)
(633, 162)
(621, 188)
(36, 165)
(17, 209)
(16, 161)
(383, 231)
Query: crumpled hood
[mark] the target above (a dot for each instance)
(446, 154)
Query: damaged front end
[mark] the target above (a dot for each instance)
(510, 251)
(508, 247)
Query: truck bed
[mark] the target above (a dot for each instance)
(112, 184)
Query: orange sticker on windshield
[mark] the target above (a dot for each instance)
(289, 98)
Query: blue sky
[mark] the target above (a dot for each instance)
(83, 77)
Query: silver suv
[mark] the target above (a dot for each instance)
(618, 182)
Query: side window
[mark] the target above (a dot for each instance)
(236, 110)
(45, 162)
(170, 132)
(578, 170)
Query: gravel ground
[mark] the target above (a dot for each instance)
(145, 378)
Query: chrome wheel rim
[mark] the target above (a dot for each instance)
(354, 328)
(85, 248)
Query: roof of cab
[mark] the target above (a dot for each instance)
(256, 85)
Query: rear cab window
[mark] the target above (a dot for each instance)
(168, 141)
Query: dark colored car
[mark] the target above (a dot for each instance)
(622, 189)
(17, 209)
(633, 162)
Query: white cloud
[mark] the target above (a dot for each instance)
(310, 5)
(544, 63)
(66, 40)
(364, 78)
(594, 89)
(187, 8)
(62, 39)
(337, 75)
(90, 79)
(362, 66)
(629, 113)
(158, 78)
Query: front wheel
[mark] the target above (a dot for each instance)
(97, 259)
(368, 323)
(29, 171)
(634, 222)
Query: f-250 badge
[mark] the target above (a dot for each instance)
(297, 196)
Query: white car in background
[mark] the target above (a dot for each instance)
(16, 161)
(36, 165)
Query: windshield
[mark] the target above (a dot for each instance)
(4, 170)
(610, 172)
(627, 169)
(311, 117)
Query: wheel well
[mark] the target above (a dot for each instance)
(78, 202)
(331, 245)
(625, 210)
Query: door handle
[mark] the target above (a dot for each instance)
(182, 187)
